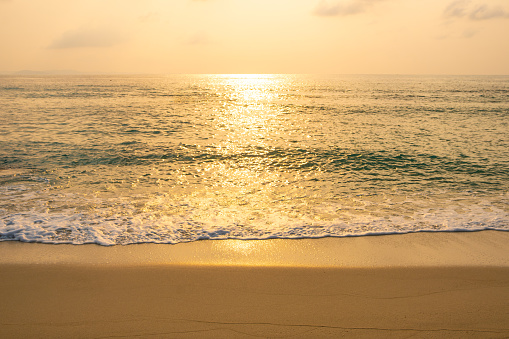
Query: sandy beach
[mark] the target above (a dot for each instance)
(429, 285)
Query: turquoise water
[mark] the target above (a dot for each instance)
(169, 159)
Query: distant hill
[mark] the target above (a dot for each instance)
(61, 72)
(52, 72)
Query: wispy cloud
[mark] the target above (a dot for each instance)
(465, 9)
(469, 33)
(484, 12)
(89, 37)
(456, 9)
(343, 8)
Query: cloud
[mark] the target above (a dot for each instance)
(465, 34)
(484, 12)
(89, 37)
(462, 9)
(343, 8)
(469, 33)
(456, 9)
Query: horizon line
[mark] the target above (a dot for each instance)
(74, 72)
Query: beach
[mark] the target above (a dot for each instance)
(432, 285)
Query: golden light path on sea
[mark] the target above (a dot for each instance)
(240, 182)
(245, 122)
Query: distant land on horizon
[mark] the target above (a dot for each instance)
(55, 72)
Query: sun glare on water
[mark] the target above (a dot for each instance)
(246, 123)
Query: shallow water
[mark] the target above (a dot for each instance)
(129, 159)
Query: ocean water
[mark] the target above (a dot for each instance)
(168, 159)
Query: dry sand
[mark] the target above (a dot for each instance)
(425, 285)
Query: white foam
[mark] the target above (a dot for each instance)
(207, 219)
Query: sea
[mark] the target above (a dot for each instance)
(124, 159)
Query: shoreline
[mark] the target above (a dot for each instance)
(421, 249)
(439, 285)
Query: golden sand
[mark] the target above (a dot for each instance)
(431, 285)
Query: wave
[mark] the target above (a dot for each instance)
(80, 228)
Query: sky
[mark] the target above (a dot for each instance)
(256, 36)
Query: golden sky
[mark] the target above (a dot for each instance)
(256, 36)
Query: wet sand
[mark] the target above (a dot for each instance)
(433, 285)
